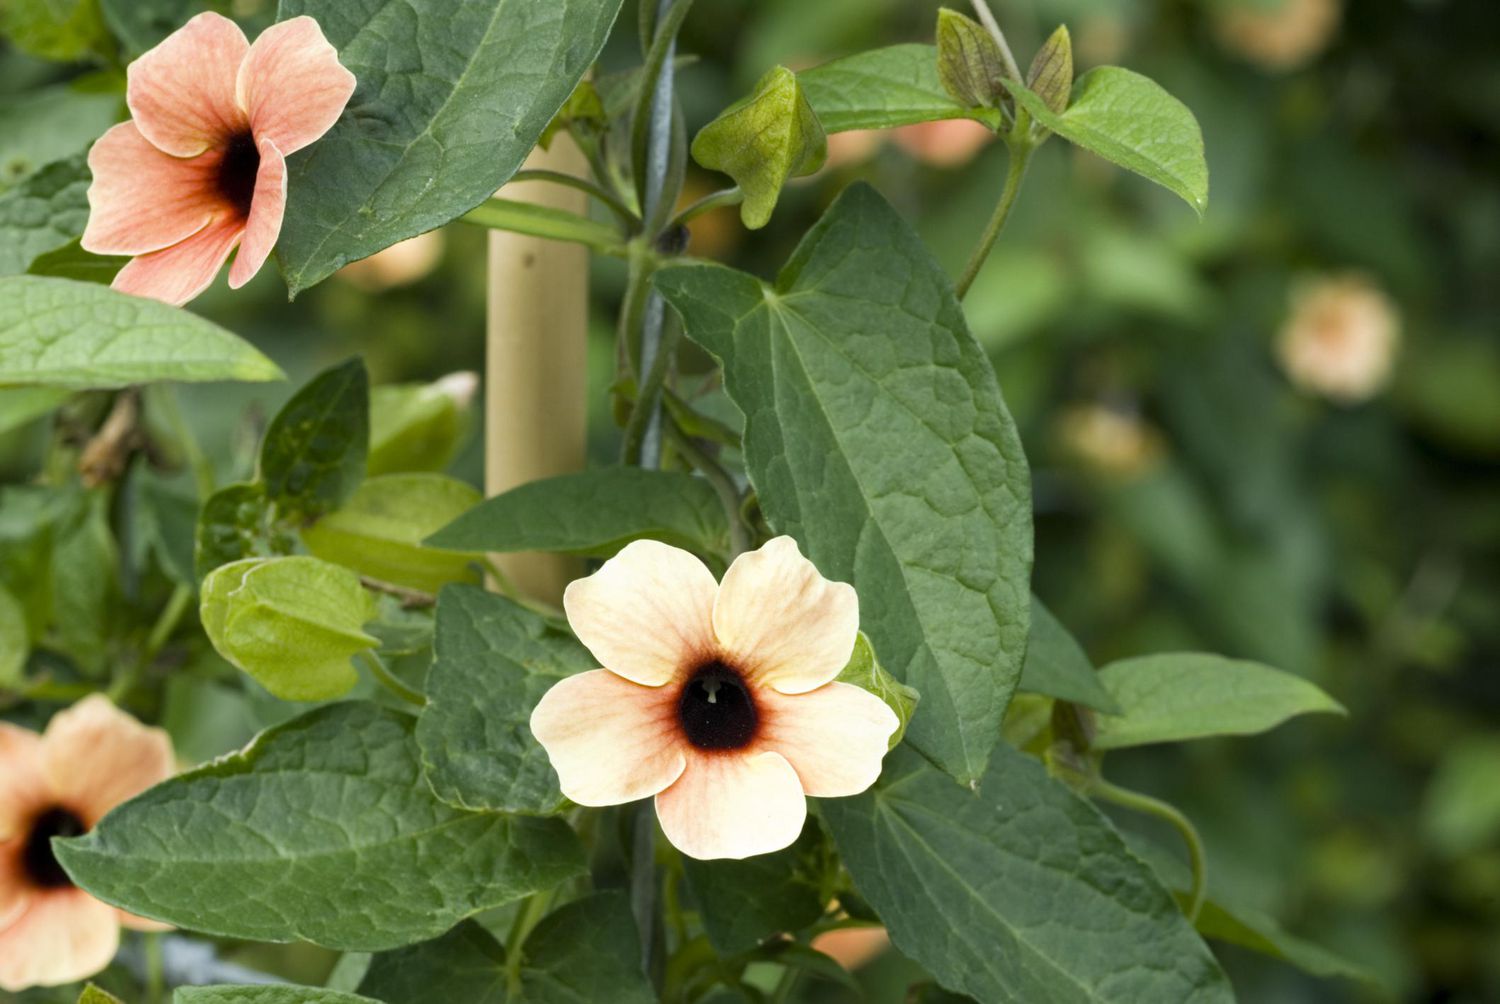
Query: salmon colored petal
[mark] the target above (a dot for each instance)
(182, 93)
(142, 199)
(647, 614)
(177, 274)
(266, 208)
(781, 622)
(16, 889)
(135, 923)
(292, 85)
(835, 736)
(64, 936)
(97, 756)
(611, 741)
(23, 780)
(733, 806)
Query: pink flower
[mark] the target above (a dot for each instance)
(201, 166)
(718, 699)
(91, 758)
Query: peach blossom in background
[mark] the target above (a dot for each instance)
(945, 143)
(1278, 36)
(717, 698)
(92, 757)
(1111, 441)
(1340, 338)
(400, 264)
(200, 168)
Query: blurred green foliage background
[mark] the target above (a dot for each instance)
(1194, 489)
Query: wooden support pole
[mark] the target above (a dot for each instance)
(536, 406)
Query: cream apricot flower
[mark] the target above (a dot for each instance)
(1340, 338)
(718, 699)
(92, 757)
(200, 168)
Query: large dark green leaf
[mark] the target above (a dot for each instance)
(43, 213)
(594, 513)
(262, 994)
(585, 951)
(494, 659)
(876, 435)
(1057, 666)
(313, 456)
(321, 830)
(1017, 892)
(452, 96)
(78, 334)
(742, 903)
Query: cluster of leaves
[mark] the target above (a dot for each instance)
(413, 822)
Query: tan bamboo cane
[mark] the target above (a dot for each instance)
(535, 362)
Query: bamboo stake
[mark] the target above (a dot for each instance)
(536, 407)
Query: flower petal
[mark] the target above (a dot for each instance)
(23, 780)
(16, 889)
(611, 741)
(97, 756)
(781, 622)
(64, 936)
(177, 274)
(292, 84)
(647, 613)
(182, 93)
(266, 208)
(142, 199)
(733, 806)
(135, 923)
(835, 736)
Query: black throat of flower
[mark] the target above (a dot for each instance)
(716, 709)
(37, 859)
(237, 172)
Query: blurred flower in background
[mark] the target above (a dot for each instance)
(1340, 338)
(1108, 440)
(400, 264)
(1278, 35)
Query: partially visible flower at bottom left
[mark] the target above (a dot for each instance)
(92, 757)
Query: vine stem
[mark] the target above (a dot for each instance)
(987, 18)
(531, 910)
(1020, 156)
(584, 185)
(156, 985)
(721, 482)
(390, 682)
(1137, 802)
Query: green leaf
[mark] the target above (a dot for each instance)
(493, 660)
(379, 531)
(237, 522)
(441, 119)
(15, 639)
(419, 427)
(1130, 120)
(1051, 75)
(1461, 807)
(762, 140)
(585, 951)
(969, 62)
(264, 994)
(882, 88)
(71, 261)
(77, 334)
(320, 830)
(1191, 695)
(865, 672)
(546, 221)
(743, 903)
(20, 405)
(94, 995)
(876, 435)
(594, 514)
(62, 30)
(85, 584)
(141, 24)
(1018, 891)
(292, 623)
(51, 124)
(313, 455)
(43, 213)
(1057, 666)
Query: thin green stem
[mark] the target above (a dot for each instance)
(722, 483)
(203, 468)
(1020, 156)
(390, 681)
(613, 204)
(987, 18)
(725, 197)
(167, 621)
(1137, 802)
(528, 914)
(156, 979)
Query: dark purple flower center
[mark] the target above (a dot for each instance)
(37, 858)
(716, 709)
(238, 170)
